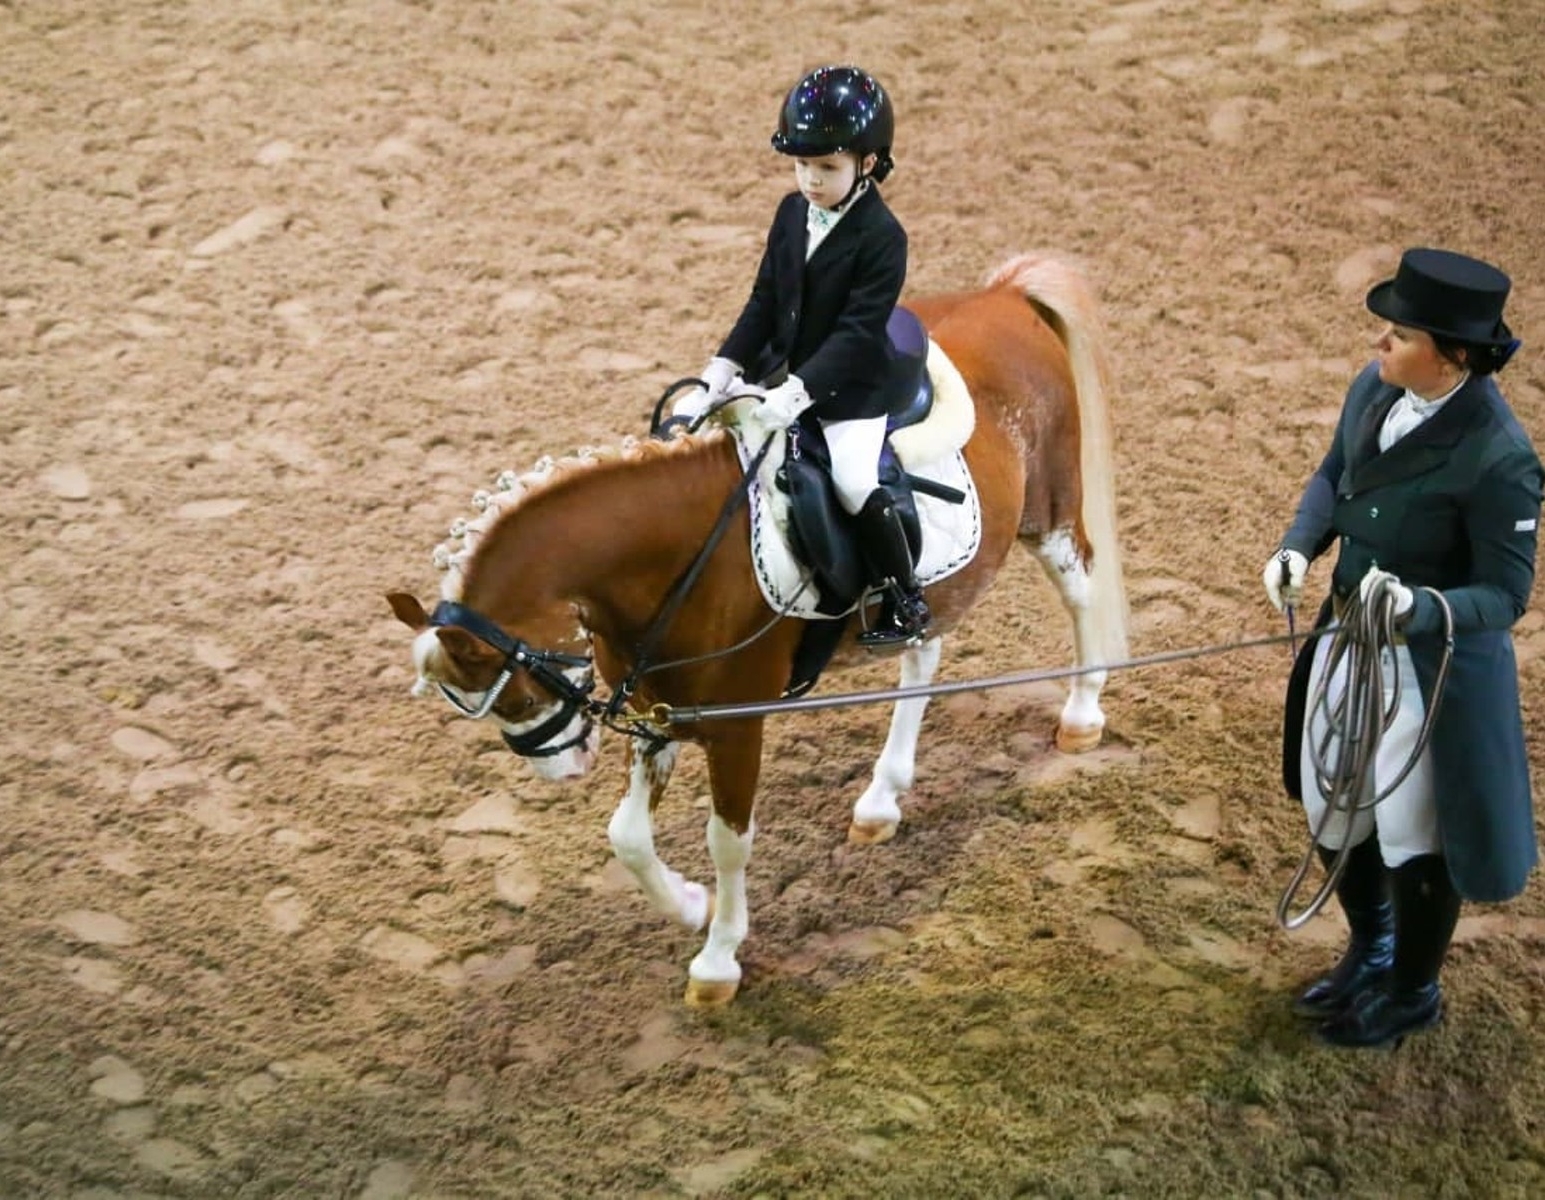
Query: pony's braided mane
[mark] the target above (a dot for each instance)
(512, 488)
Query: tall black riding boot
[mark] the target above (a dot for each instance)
(1370, 953)
(904, 615)
(1426, 911)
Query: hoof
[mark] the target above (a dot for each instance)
(1078, 741)
(871, 833)
(710, 993)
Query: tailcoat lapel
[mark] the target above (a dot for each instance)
(1365, 437)
(1424, 449)
(792, 266)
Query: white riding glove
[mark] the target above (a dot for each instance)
(781, 406)
(718, 376)
(1404, 597)
(1284, 578)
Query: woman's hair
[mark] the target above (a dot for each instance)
(1479, 358)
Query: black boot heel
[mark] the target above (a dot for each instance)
(1426, 911)
(1384, 1019)
(1370, 954)
(904, 615)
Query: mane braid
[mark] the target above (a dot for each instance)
(512, 489)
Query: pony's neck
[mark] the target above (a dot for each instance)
(610, 539)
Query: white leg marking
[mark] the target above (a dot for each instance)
(632, 836)
(1082, 718)
(894, 769)
(716, 962)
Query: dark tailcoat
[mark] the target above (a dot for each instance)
(1454, 505)
(825, 320)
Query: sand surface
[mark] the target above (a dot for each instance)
(284, 283)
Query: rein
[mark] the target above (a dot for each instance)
(661, 624)
(666, 714)
(1355, 725)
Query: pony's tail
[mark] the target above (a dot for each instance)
(1062, 293)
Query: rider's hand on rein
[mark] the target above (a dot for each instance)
(718, 378)
(691, 405)
(782, 405)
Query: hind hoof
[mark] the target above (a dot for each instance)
(1078, 741)
(703, 993)
(871, 833)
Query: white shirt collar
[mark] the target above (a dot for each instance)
(819, 222)
(1410, 411)
(1431, 406)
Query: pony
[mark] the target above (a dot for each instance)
(567, 574)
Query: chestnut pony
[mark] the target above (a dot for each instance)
(570, 577)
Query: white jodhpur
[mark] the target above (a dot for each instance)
(1406, 819)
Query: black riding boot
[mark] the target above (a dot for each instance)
(1426, 911)
(904, 615)
(1371, 950)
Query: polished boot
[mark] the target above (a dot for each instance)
(904, 614)
(1370, 953)
(1426, 911)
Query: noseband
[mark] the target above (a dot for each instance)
(542, 665)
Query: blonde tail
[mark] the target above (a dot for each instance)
(1063, 294)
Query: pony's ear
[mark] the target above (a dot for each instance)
(465, 649)
(409, 611)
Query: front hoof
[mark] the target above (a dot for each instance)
(715, 993)
(1071, 740)
(871, 833)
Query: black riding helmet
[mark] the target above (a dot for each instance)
(834, 109)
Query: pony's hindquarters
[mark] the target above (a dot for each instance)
(1030, 347)
(1062, 297)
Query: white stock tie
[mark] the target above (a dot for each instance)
(1409, 412)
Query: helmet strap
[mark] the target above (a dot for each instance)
(861, 179)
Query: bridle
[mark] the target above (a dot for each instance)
(574, 694)
(571, 677)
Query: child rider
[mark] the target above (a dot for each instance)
(813, 330)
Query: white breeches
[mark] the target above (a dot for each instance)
(1407, 819)
(855, 448)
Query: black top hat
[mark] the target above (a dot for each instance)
(1451, 295)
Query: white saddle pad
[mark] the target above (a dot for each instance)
(951, 533)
